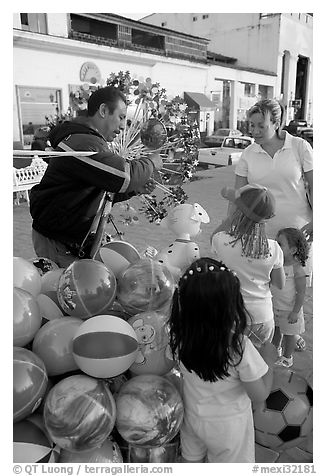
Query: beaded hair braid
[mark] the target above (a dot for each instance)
(252, 235)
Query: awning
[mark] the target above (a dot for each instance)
(199, 100)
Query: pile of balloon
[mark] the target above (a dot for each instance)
(93, 380)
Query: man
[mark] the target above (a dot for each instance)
(64, 204)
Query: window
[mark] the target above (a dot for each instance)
(35, 22)
(249, 89)
(163, 23)
(148, 40)
(194, 18)
(24, 18)
(36, 103)
(93, 27)
(205, 16)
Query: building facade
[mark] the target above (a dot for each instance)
(281, 43)
(55, 53)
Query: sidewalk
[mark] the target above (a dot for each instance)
(206, 192)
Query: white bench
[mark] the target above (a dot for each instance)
(24, 179)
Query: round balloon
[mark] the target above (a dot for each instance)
(29, 382)
(79, 413)
(26, 276)
(105, 346)
(145, 286)
(117, 256)
(153, 133)
(153, 339)
(115, 309)
(50, 284)
(27, 318)
(43, 265)
(175, 377)
(86, 288)
(149, 411)
(31, 444)
(108, 452)
(53, 344)
(49, 310)
(157, 454)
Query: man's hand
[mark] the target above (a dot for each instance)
(157, 161)
(147, 188)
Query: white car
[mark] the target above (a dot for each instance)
(227, 154)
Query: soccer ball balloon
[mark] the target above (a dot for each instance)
(285, 418)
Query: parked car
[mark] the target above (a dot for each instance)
(300, 128)
(216, 139)
(227, 153)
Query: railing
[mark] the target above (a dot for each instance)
(25, 178)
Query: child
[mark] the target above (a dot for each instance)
(288, 302)
(244, 248)
(222, 370)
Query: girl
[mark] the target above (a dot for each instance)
(222, 370)
(244, 247)
(288, 302)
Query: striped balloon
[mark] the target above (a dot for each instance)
(117, 256)
(29, 382)
(31, 445)
(105, 346)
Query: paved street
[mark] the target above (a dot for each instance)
(205, 191)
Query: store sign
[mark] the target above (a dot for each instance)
(296, 103)
(90, 73)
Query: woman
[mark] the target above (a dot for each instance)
(283, 164)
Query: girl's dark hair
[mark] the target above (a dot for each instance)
(109, 95)
(208, 319)
(296, 238)
(270, 108)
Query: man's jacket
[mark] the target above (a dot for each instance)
(64, 203)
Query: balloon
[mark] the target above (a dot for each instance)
(50, 283)
(48, 308)
(153, 338)
(115, 309)
(79, 413)
(27, 318)
(43, 265)
(108, 452)
(31, 444)
(105, 346)
(149, 411)
(29, 382)
(175, 377)
(117, 256)
(26, 276)
(145, 286)
(153, 134)
(86, 288)
(53, 344)
(156, 454)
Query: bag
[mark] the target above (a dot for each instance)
(298, 153)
